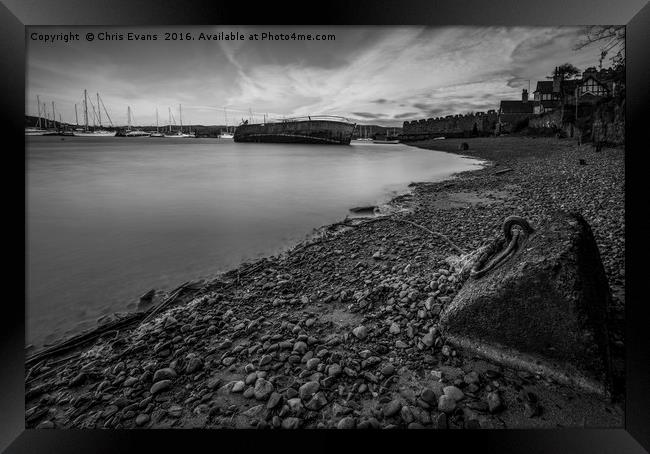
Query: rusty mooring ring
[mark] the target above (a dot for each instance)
(483, 265)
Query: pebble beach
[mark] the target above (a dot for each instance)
(342, 330)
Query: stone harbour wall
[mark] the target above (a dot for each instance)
(480, 123)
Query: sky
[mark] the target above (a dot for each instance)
(372, 75)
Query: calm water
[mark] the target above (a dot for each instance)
(108, 219)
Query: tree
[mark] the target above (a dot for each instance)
(611, 39)
(565, 71)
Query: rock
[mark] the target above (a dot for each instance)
(160, 386)
(394, 328)
(307, 390)
(546, 305)
(238, 387)
(428, 339)
(266, 359)
(142, 419)
(312, 363)
(453, 392)
(300, 347)
(274, 400)
(446, 404)
(388, 370)
(334, 370)
(441, 421)
(401, 344)
(347, 423)
(471, 378)
(47, 424)
(129, 382)
(193, 365)
(175, 411)
(77, 380)
(255, 412)
(164, 374)
(392, 408)
(428, 396)
(263, 389)
(251, 378)
(317, 402)
(290, 423)
(494, 402)
(214, 382)
(360, 332)
(294, 404)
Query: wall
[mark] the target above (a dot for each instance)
(551, 119)
(450, 126)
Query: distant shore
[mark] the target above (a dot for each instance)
(333, 333)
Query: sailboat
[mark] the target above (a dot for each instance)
(87, 132)
(226, 134)
(179, 133)
(133, 132)
(37, 130)
(157, 133)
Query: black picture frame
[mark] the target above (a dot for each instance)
(15, 15)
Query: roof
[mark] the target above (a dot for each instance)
(516, 107)
(544, 86)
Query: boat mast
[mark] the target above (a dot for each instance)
(85, 110)
(54, 115)
(76, 116)
(128, 117)
(169, 110)
(99, 111)
(157, 119)
(180, 113)
(38, 103)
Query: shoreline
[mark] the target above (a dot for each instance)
(386, 200)
(281, 345)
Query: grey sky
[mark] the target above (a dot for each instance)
(381, 75)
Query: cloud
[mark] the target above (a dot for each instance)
(379, 73)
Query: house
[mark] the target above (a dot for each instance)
(513, 112)
(553, 94)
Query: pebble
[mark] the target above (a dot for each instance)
(175, 411)
(77, 380)
(334, 370)
(347, 423)
(160, 386)
(312, 363)
(394, 328)
(45, 425)
(290, 423)
(446, 404)
(317, 402)
(263, 389)
(428, 396)
(453, 393)
(494, 402)
(307, 390)
(388, 370)
(142, 419)
(441, 421)
(392, 408)
(238, 387)
(360, 332)
(274, 400)
(164, 374)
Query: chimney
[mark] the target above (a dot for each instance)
(524, 95)
(557, 80)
